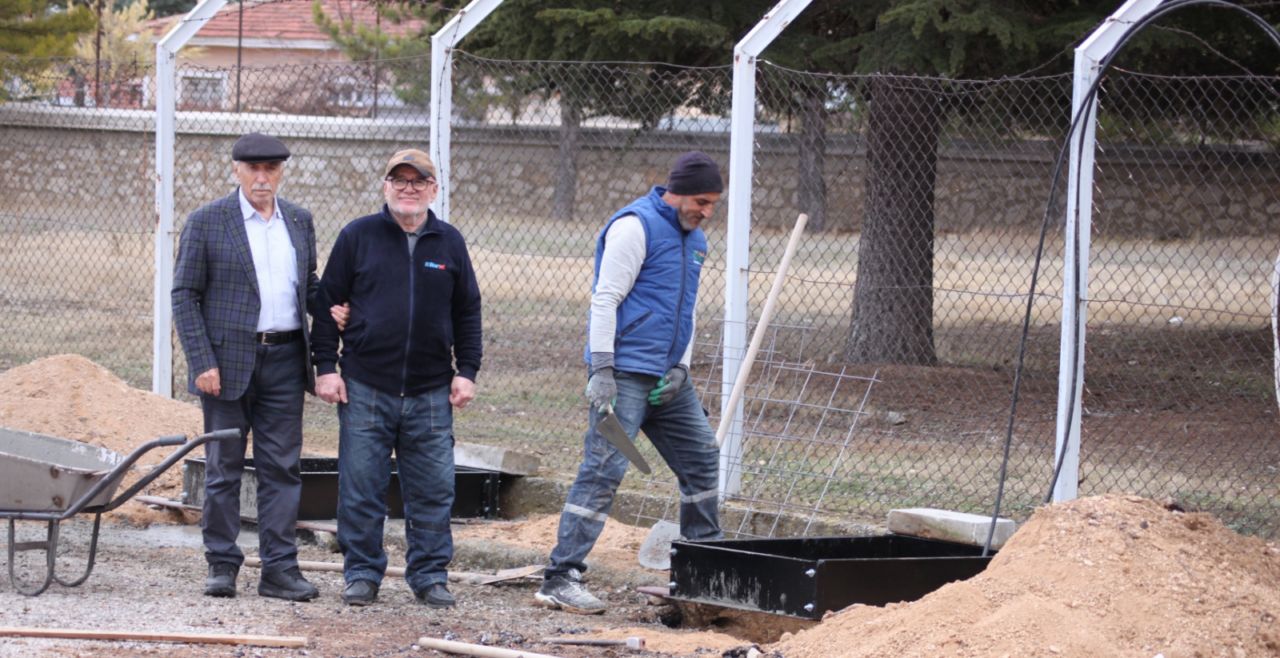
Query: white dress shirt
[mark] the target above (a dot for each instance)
(276, 265)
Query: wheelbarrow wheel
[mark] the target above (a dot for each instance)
(50, 548)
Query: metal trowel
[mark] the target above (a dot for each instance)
(612, 431)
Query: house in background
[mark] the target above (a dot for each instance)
(270, 56)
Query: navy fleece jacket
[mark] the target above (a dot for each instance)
(411, 319)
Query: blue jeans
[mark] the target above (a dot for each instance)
(679, 431)
(420, 431)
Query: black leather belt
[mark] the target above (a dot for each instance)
(277, 337)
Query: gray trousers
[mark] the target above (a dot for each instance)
(272, 408)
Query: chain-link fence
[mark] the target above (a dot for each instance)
(886, 377)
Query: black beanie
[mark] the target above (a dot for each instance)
(694, 173)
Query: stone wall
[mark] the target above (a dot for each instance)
(95, 167)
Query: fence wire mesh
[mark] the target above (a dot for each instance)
(886, 375)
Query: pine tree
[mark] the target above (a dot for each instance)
(31, 32)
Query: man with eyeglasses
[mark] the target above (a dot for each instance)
(414, 311)
(245, 273)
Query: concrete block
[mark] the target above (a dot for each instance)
(947, 525)
(493, 458)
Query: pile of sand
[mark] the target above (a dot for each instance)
(71, 397)
(1106, 576)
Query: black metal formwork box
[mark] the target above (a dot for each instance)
(805, 577)
(476, 491)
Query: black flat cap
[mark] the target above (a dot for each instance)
(257, 147)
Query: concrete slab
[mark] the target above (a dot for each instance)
(493, 458)
(946, 525)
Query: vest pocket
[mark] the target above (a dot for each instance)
(631, 326)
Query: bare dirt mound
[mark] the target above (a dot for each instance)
(1104, 576)
(71, 397)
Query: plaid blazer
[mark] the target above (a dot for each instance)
(215, 292)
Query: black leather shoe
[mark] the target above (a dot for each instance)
(221, 580)
(287, 584)
(436, 596)
(360, 592)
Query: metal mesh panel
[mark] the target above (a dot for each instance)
(856, 405)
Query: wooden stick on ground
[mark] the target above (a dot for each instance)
(465, 649)
(141, 636)
(464, 577)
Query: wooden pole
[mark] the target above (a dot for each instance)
(142, 636)
(465, 649)
(464, 577)
(744, 370)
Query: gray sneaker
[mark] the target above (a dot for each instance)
(567, 593)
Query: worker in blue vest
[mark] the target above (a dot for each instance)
(640, 340)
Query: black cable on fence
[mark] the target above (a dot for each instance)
(1074, 288)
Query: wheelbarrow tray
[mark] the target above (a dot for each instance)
(40, 473)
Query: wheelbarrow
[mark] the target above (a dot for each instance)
(51, 479)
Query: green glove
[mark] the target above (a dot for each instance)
(668, 386)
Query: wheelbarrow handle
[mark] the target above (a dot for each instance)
(187, 446)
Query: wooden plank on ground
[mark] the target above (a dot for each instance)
(464, 577)
(142, 636)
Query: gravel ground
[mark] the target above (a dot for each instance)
(150, 580)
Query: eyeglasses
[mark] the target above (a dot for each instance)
(419, 184)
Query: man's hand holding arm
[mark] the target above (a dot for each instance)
(335, 285)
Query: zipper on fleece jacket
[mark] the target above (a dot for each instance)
(408, 334)
(684, 242)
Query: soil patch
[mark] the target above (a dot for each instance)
(71, 397)
(1111, 575)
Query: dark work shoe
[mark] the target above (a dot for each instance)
(436, 596)
(567, 593)
(360, 592)
(287, 584)
(221, 580)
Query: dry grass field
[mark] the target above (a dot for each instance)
(1178, 396)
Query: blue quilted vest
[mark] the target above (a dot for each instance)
(655, 320)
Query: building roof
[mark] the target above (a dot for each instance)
(282, 23)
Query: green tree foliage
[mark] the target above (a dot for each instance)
(163, 8)
(31, 31)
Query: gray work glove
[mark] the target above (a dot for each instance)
(668, 386)
(602, 390)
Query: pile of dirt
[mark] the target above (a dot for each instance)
(71, 397)
(1110, 575)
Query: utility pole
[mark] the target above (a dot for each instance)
(239, 50)
(97, 59)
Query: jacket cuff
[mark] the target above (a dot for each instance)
(326, 367)
(468, 371)
(601, 360)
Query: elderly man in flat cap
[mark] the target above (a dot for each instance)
(639, 343)
(245, 272)
(410, 353)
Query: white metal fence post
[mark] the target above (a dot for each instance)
(1079, 223)
(737, 256)
(442, 45)
(166, 128)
